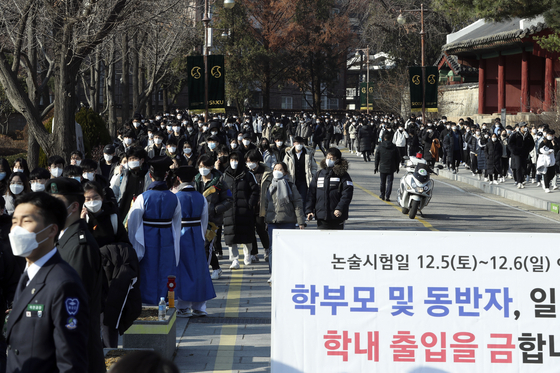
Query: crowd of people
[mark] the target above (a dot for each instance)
(87, 242)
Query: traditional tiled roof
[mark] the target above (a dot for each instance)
(493, 34)
(458, 68)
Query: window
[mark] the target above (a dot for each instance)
(287, 102)
(350, 93)
(307, 102)
(333, 104)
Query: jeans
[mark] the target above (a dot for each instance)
(386, 185)
(271, 228)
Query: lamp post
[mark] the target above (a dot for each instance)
(361, 53)
(228, 4)
(401, 21)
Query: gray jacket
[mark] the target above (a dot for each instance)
(289, 213)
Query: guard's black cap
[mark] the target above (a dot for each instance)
(64, 186)
(161, 164)
(109, 149)
(186, 173)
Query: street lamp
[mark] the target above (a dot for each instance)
(360, 52)
(206, 20)
(401, 20)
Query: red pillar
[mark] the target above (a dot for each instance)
(525, 97)
(548, 84)
(481, 85)
(501, 83)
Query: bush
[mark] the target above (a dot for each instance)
(94, 129)
(12, 158)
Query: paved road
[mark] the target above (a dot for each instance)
(236, 335)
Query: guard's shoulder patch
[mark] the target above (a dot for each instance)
(82, 236)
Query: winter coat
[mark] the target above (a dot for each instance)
(289, 213)
(331, 189)
(427, 139)
(353, 131)
(123, 302)
(449, 146)
(263, 175)
(481, 154)
(217, 194)
(239, 221)
(399, 138)
(493, 153)
(387, 158)
(310, 164)
(365, 139)
(319, 133)
(106, 226)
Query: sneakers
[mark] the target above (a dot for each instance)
(185, 312)
(533, 181)
(247, 260)
(519, 185)
(266, 254)
(495, 182)
(554, 187)
(539, 184)
(254, 259)
(198, 313)
(270, 280)
(235, 264)
(479, 177)
(216, 274)
(547, 190)
(485, 179)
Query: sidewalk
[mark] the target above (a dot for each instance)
(531, 195)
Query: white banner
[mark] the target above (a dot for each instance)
(384, 301)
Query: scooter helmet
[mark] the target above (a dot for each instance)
(419, 155)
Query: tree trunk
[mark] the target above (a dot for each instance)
(32, 80)
(135, 68)
(266, 86)
(125, 112)
(97, 80)
(140, 108)
(110, 90)
(165, 101)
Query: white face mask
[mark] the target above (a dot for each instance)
(213, 133)
(299, 147)
(171, 149)
(133, 164)
(128, 141)
(37, 187)
(329, 162)
(204, 128)
(24, 242)
(16, 188)
(56, 172)
(89, 175)
(239, 138)
(157, 141)
(158, 118)
(187, 150)
(125, 166)
(548, 137)
(169, 128)
(279, 143)
(251, 165)
(150, 135)
(246, 142)
(77, 178)
(176, 129)
(190, 129)
(234, 145)
(78, 162)
(135, 124)
(277, 174)
(234, 164)
(108, 157)
(494, 138)
(93, 206)
(18, 170)
(204, 171)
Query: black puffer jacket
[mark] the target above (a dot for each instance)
(331, 189)
(387, 158)
(365, 138)
(217, 194)
(239, 221)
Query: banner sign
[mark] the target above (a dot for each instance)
(416, 88)
(195, 67)
(364, 98)
(388, 301)
(216, 82)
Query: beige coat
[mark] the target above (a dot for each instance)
(310, 164)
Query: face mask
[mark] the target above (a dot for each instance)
(214, 133)
(299, 147)
(549, 137)
(508, 132)
(125, 166)
(93, 206)
(187, 150)
(150, 135)
(251, 165)
(234, 164)
(16, 188)
(77, 178)
(169, 128)
(277, 174)
(494, 138)
(24, 242)
(18, 170)
(89, 175)
(158, 118)
(401, 129)
(234, 145)
(246, 142)
(204, 128)
(279, 143)
(533, 131)
(78, 162)
(157, 141)
(171, 149)
(265, 145)
(133, 164)
(135, 124)
(179, 117)
(453, 128)
(37, 187)
(108, 157)
(330, 163)
(176, 129)
(128, 141)
(485, 136)
(212, 145)
(239, 138)
(189, 129)
(204, 171)
(2, 175)
(184, 123)
(478, 133)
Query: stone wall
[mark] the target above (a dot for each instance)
(460, 100)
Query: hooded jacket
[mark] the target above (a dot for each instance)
(331, 189)
(387, 158)
(310, 164)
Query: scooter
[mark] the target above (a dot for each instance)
(416, 187)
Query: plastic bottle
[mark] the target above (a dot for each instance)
(161, 309)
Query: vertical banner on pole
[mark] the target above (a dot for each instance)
(216, 83)
(366, 87)
(415, 82)
(431, 82)
(195, 66)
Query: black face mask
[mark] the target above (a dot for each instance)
(265, 145)
(223, 159)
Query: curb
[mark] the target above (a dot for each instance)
(502, 192)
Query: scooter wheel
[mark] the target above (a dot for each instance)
(404, 210)
(413, 209)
